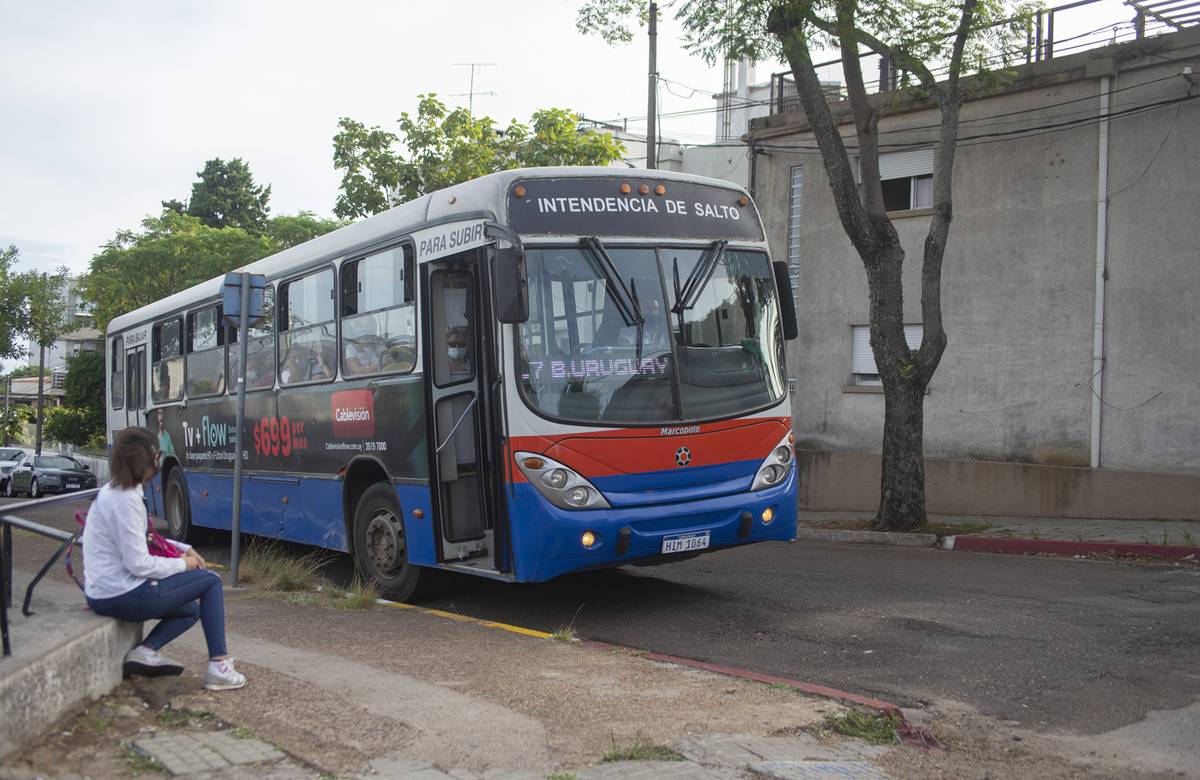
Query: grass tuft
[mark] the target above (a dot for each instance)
(140, 763)
(174, 718)
(362, 595)
(872, 727)
(561, 776)
(241, 732)
(267, 566)
(641, 749)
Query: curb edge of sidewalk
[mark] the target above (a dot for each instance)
(996, 544)
(810, 534)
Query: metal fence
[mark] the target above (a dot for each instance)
(9, 521)
(1147, 19)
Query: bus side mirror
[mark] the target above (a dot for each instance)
(787, 306)
(510, 286)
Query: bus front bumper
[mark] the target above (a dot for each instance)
(549, 541)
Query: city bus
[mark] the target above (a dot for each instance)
(536, 372)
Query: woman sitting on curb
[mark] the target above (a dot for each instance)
(123, 580)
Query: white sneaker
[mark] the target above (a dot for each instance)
(145, 662)
(221, 676)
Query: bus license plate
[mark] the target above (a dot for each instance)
(685, 542)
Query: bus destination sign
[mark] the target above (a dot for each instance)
(595, 205)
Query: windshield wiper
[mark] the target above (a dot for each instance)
(626, 301)
(698, 279)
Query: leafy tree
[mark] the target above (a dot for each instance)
(919, 36)
(13, 424)
(85, 390)
(171, 253)
(23, 372)
(288, 231)
(70, 426)
(11, 310)
(226, 196)
(445, 147)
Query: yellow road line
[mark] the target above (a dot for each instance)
(467, 619)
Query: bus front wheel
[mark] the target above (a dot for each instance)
(380, 547)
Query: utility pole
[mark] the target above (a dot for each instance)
(652, 96)
(7, 393)
(37, 444)
(471, 93)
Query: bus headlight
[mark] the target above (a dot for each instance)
(560, 485)
(775, 468)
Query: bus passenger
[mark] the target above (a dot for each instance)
(363, 351)
(123, 580)
(457, 354)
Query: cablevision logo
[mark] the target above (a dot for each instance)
(354, 413)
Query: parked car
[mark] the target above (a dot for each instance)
(40, 474)
(8, 459)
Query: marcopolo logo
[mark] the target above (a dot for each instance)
(354, 413)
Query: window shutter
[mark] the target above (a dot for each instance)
(900, 165)
(862, 361)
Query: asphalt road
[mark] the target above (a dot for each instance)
(1075, 645)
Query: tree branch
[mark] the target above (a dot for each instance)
(866, 119)
(857, 36)
(933, 343)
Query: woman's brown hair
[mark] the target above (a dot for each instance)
(133, 453)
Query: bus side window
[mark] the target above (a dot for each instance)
(260, 352)
(166, 372)
(117, 389)
(205, 355)
(307, 342)
(135, 394)
(378, 318)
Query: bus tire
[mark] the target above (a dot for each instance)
(177, 507)
(380, 547)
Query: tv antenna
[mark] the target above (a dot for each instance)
(470, 95)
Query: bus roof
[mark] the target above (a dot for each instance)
(471, 198)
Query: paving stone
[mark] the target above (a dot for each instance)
(798, 748)
(653, 770)
(715, 750)
(818, 770)
(387, 768)
(189, 753)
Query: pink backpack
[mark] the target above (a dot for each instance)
(156, 544)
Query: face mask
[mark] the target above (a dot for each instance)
(457, 353)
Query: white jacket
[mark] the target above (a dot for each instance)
(115, 557)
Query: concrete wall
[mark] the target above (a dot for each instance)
(727, 161)
(1018, 280)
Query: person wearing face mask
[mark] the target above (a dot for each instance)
(458, 359)
(123, 580)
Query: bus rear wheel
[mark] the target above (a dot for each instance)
(177, 507)
(380, 546)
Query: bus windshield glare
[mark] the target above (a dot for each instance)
(703, 350)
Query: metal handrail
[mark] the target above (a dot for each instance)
(7, 522)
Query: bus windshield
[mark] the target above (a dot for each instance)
(709, 349)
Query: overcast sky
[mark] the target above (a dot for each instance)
(111, 107)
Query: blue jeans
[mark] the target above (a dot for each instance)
(178, 602)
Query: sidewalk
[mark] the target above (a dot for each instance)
(1176, 539)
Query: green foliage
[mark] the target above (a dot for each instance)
(226, 196)
(11, 311)
(641, 749)
(288, 231)
(70, 426)
(85, 393)
(171, 253)
(13, 424)
(873, 727)
(445, 147)
(23, 372)
(45, 317)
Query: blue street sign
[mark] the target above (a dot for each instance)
(231, 303)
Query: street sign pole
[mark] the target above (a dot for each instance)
(243, 341)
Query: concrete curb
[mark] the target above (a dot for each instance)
(36, 690)
(845, 697)
(996, 544)
(865, 537)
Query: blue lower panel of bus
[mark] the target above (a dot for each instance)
(306, 510)
(546, 539)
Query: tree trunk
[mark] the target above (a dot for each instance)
(902, 483)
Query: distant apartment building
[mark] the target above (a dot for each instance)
(1069, 386)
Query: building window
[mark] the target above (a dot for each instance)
(166, 371)
(117, 386)
(378, 316)
(206, 353)
(308, 337)
(863, 370)
(793, 259)
(260, 350)
(907, 179)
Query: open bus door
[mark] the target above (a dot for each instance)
(456, 367)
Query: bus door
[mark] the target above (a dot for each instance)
(135, 386)
(455, 372)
